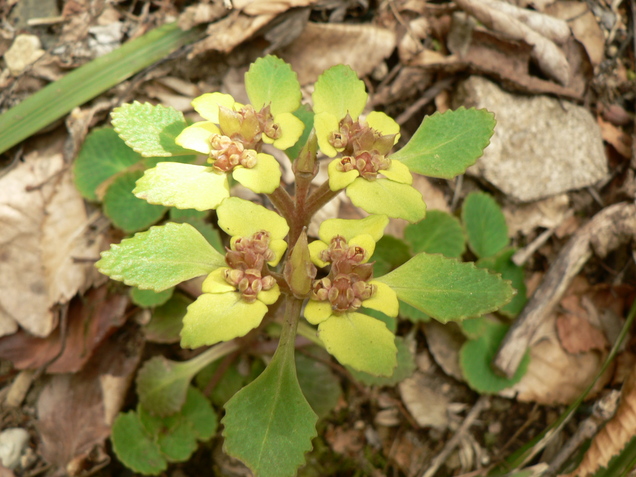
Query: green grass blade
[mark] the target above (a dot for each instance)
(88, 81)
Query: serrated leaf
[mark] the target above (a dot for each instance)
(196, 218)
(268, 424)
(126, 211)
(272, 81)
(198, 410)
(339, 91)
(175, 435)
(413, 314)
(232, 381)
(166, 321)
(439, 232)
(134, 448)
(485, 224)
(185, 186)
(307, 117)
(319, 385)
(390, 253)
(447, 289)
(446, 144)
(476, 357)
(502, 263)
(160, 258)
(405, 367)
(103, 155)
(149, 298)
(150, 129)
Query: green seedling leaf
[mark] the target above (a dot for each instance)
(447, 289)
(198, 410)
(360, 341)
(271, 81)
(162, 384)
(473, 328)
(174, 434)
(160, 258)
(485, 225)
(502, 263)
(319, 385)
(232, 380)
(196, 218)
(439, 232)
(339, 91)
(413, 314)
(187, 215)
(150, 129)
(165, 324)
(390, 253)
(134, 447)
(476, 355)
(405, 368)
(149, 298)
(383, 196)
(268, 424)
(103, 155)
(307, 117)
(446, 144)
(126, 211)
(184, 186)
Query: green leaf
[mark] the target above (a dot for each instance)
(150, 129)
(232, 380)
(272, 81)
(439, 232)
(88, 81)
(126, 211)
(162, 384)
(185, 186)
(413, 314)
(319, 385)
(103, 155)
(197, 218)
(307, 117)
(165, 324)
(268, 424)
(134, 447)
(405, 368)
(198, 410)
(174, 434)
(502, 263)
(390, 253)
(160, 258)
(475, 358)
(149, 298)
(485, 224)
(339, 91)
(383, 196)
(446, 144)
(360, 341)
(447, 289)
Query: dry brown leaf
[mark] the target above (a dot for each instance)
(323, 45)
(262, 7)
(549, 57)
(546, 213)
(44, 225)
(619, 139)
(613, 437)
(425, 401)
(229, 32)
(577, 335)
(91, 319)
(75, 411)
(555, 376)
(584, 27)
(201, 13)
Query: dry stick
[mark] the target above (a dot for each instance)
(482, 403)
(611, 227)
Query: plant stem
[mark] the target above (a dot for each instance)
(308, 332)
(283, 203)
(290, 322)
(200, 361)
(318, 199)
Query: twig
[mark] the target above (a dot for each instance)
(482, 403)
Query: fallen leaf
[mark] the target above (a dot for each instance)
(260, 7)
(45, 228)
(363, 47)
(577, 335)
(75, 411)
(619, 139)
(424, 400)
(91, 319)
